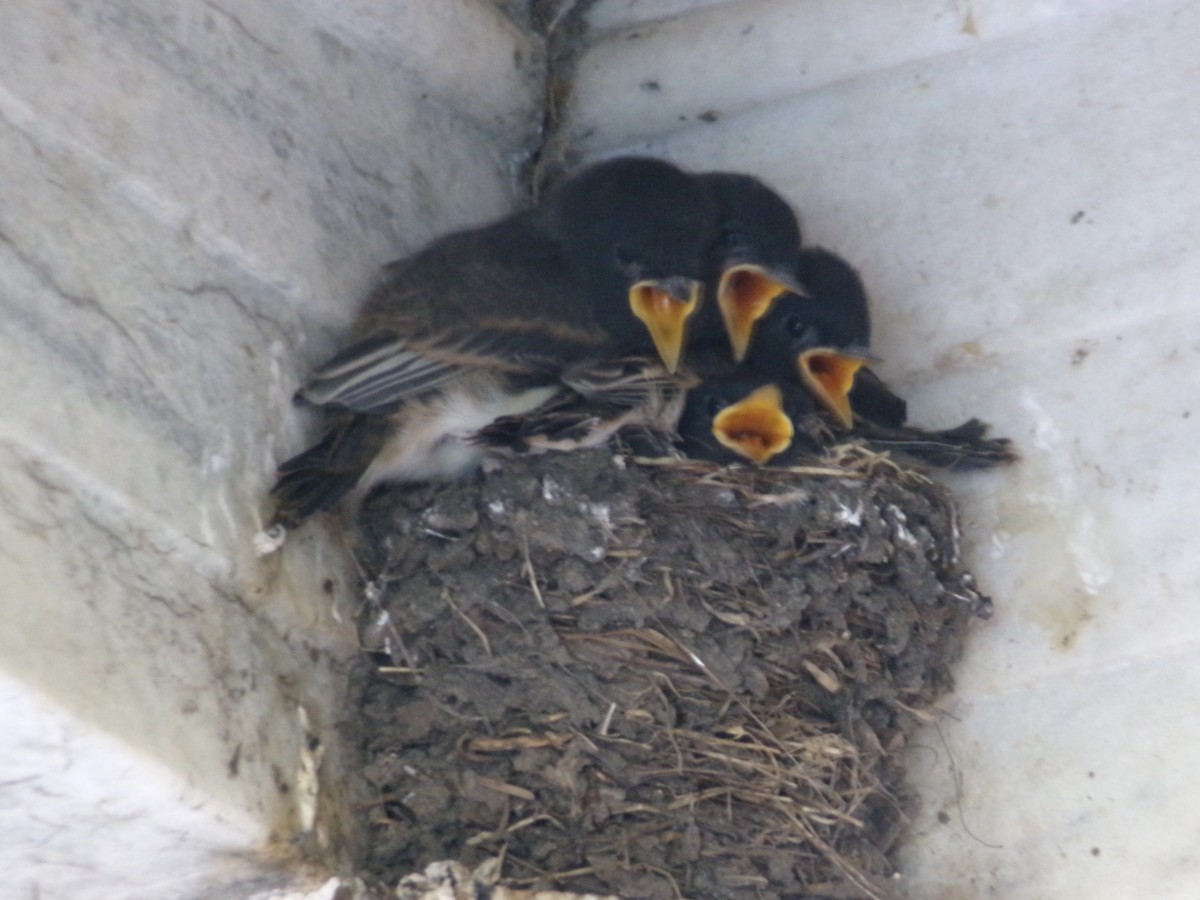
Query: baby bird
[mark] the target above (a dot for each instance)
(485, 323)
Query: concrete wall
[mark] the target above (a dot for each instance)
(195, 192)
(194, 195)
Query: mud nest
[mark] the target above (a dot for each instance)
(656, 680)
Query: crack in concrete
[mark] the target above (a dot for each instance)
(260, 322)
(561, 26)
(42, 272)
(359, 170)
(253, 38)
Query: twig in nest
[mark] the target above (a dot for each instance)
(548, 876)
(527, 570)
(520, 825)
(665, 874)
(483, 639)
(853, 874)
(608, 717)
(484, 745)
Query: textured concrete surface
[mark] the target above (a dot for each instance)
(195, 195)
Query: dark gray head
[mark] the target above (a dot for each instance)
(737, 416)
(817, 339)
(635, 232)
(749, 263)
(754, 223)
(837, 298)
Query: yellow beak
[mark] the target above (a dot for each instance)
(830, 376)
(755, 427)
(744, 296)
(665, 316)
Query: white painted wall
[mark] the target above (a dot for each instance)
(194, 196)
(194, 192)
(1019, 181)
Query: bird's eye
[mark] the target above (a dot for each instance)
(731, 236)
(714, 405)
(800, 329)
(624, 256)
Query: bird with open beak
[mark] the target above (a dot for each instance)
(634, 233)
(821, 337)
(741, 416)
(813, 346)
(483, 323)
(750, 262)
(736, 416)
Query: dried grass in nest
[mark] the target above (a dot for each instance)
(664, 680)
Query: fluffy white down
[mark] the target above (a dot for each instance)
(431, 444)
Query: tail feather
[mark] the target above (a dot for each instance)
(962, 447)
(316, 479)
(307, 492)
(875, 402)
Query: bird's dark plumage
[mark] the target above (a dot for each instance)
(750, 261)
(811, 347)
(635, 231)
(741, 416)
(474, 326)
(822, 336)
(838, 310)
(835, 299)
(483, 324)
(963, 447)
(790, 347)
(737, 416)
(600, 399)
(559, 326)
